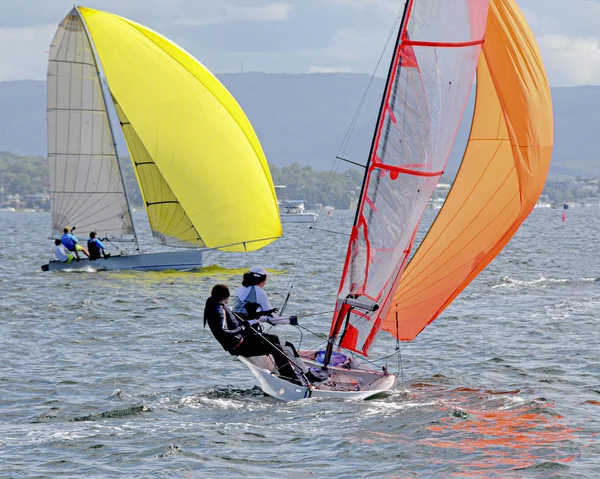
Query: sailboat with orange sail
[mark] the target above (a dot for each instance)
(439, 48)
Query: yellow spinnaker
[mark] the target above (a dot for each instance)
(500, 179)
(197, 144)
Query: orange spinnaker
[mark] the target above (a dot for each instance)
(500, 179)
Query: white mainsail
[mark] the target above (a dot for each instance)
(86, 185)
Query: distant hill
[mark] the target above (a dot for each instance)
(304, 118)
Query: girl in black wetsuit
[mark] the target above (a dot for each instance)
(240, 339)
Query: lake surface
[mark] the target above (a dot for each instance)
(112, 374)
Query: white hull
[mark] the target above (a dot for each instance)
(171, 260)
(299, 217)
(355, 383)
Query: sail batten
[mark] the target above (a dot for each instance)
(430, 78)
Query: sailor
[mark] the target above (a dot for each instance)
(61, 253)
(251, 299)
(239, 339)
(70, 242)
(96, 248)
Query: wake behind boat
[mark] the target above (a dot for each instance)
(500, 180)
(198, 193)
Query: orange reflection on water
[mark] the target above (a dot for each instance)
(508, 439)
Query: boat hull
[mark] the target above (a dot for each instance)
(299, 217)
(170, 260)
(358, 384)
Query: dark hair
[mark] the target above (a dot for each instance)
(217, 294)
(220, 292)
(252, 279)
(65, 230)
(57, 242)
(92, 234)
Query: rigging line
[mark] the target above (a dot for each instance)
(301, 338)
(399, 351)
(109, 241)
(280, 348)
(349, 161)
(372, 362)
(308, 315)
(328, 231)
(318, 335)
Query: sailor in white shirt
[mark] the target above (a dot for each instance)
(62, 253)
(251, 297)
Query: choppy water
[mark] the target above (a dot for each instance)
(112, 375)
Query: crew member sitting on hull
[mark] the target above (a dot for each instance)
(61, 253)
(96, 248)
(70, 242)
(238, 338)
(251, 299)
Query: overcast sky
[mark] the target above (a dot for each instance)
(293, 36)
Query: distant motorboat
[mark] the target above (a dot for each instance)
(436, 203)
(294, 212)
(543, 202)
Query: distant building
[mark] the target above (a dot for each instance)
(560, 185)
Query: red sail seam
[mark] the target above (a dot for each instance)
(391, 113)
(406, 171)
(368, 200)
(416, 43)
(368, 255)
(353, 238)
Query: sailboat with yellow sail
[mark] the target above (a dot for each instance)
(440, 46)
(201, 169)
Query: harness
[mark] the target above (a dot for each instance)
(248, 307)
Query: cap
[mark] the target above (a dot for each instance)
(258, 270)
(68, 228)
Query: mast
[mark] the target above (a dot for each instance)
(104, 98)
(392, 71)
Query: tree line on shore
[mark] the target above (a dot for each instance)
(27, 177)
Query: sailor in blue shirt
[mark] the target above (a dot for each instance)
(70, 242)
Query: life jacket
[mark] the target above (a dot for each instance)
(213, 316)
(247, 308)
(94, 249)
